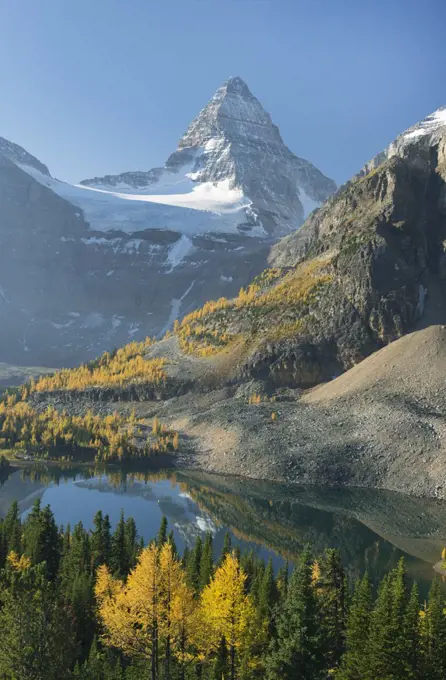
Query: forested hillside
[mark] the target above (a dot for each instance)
(99, 605)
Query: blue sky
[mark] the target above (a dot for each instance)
(102, 86)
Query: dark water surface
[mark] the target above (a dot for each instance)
(372, 529)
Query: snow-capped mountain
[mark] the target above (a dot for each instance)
(231, 161)
(91, 266)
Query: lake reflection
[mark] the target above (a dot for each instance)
(372, 529)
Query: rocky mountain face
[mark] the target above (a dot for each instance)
(382, 237)
(89, 267)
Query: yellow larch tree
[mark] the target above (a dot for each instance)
(227, 611)
(150, 616)
(130, 614)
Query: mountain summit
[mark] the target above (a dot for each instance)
(232, 153)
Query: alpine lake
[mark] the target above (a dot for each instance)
(372, 529)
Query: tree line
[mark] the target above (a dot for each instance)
(102, 605)
(50, 434)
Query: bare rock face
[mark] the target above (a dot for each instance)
(383, 234)
(90, 267)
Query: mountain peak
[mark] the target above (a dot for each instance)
(236, 85)
(233, 147)
(233, 113)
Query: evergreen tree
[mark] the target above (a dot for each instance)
(206, 562)
(3, 545)
(435, 635)
(36, 641)
(106, 539)
(97, 542)
(119, 562)
(354, 662)
(77, 559)
(131, 542)
(41, 539)
(172, 543)
(332, 590)
(297, 651)
(193, 565)
(162, 533)
(282, 580)
(412, 634)
(267, 597)
(379, 649)
(12, 529)
(227, 547)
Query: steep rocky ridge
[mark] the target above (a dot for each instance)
(87, 268)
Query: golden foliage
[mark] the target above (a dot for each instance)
(18, 563)
(272, 307)
(111, 437)
(153, 607)
(226, 610)
(126, 365)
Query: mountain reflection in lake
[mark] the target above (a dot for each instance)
(372, 529)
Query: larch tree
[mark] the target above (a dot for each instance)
(228, 612)
(149, 616)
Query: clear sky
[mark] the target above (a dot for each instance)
(103, 86)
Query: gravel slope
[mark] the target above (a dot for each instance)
(382, 424)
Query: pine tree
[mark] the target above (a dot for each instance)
(297, 651)
(36, 641)
(380, 644)
(206, 562)
(282, 581)
(41, 539)
(435, 635)
(162, 533)
(3, 545)
(106, 539)
(268, 595)
(131, 542)
(354, 662)
(172, 543)
(227, 548)
(119, 562)
(12, 528)
(97, 542)
(412, 635)
(193, 565)
(332, 594)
